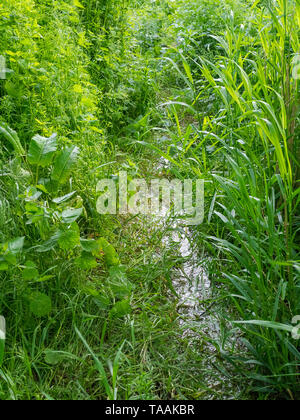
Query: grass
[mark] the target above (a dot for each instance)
(246, 147)
(88, 299)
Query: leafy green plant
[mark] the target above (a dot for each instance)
(94, 71)
(12, 137)
(54, 217)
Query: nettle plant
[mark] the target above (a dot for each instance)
(51, 215)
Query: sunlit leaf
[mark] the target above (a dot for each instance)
(64, 164)
(69, 237)
(12, 137)
(41, 150)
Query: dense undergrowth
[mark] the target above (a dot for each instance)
(95, 86)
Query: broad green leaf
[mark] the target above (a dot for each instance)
(10, 258)
(90, 245)
(30, 271)
(86, 261)
(118, 273)
(32, 194)
(10, 251)
(71, 215)
(41, 150)
(63, 199)
(3, 266)
(69, 237)
(15, 246)
(12, 137)
(102, 301)
(40, 304)
(121, 309)
(64, 163)
(42, 188)
(110, 254)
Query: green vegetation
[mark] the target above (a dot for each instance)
(98, 86)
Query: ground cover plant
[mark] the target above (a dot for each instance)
(174, 89)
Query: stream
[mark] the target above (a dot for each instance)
(193, 292)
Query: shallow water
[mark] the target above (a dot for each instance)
(194, 294)
(190, 281)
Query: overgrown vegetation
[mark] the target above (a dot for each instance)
(95, 86)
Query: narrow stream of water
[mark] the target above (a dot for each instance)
(194, 294)
(190, 281)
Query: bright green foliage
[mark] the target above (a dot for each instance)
(90, 306)
(10, 251)
(63, 164)
(121, 309)
(30, 271)
(110, 254)
(247, 142)
(41, 150)
(12, 137)
(69, 237)
(40, 304)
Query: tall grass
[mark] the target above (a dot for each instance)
(90, 322)
(248, 146)
(81, 69)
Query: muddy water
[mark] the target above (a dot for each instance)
(195, 304)
(196, 315)
(190, 281)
